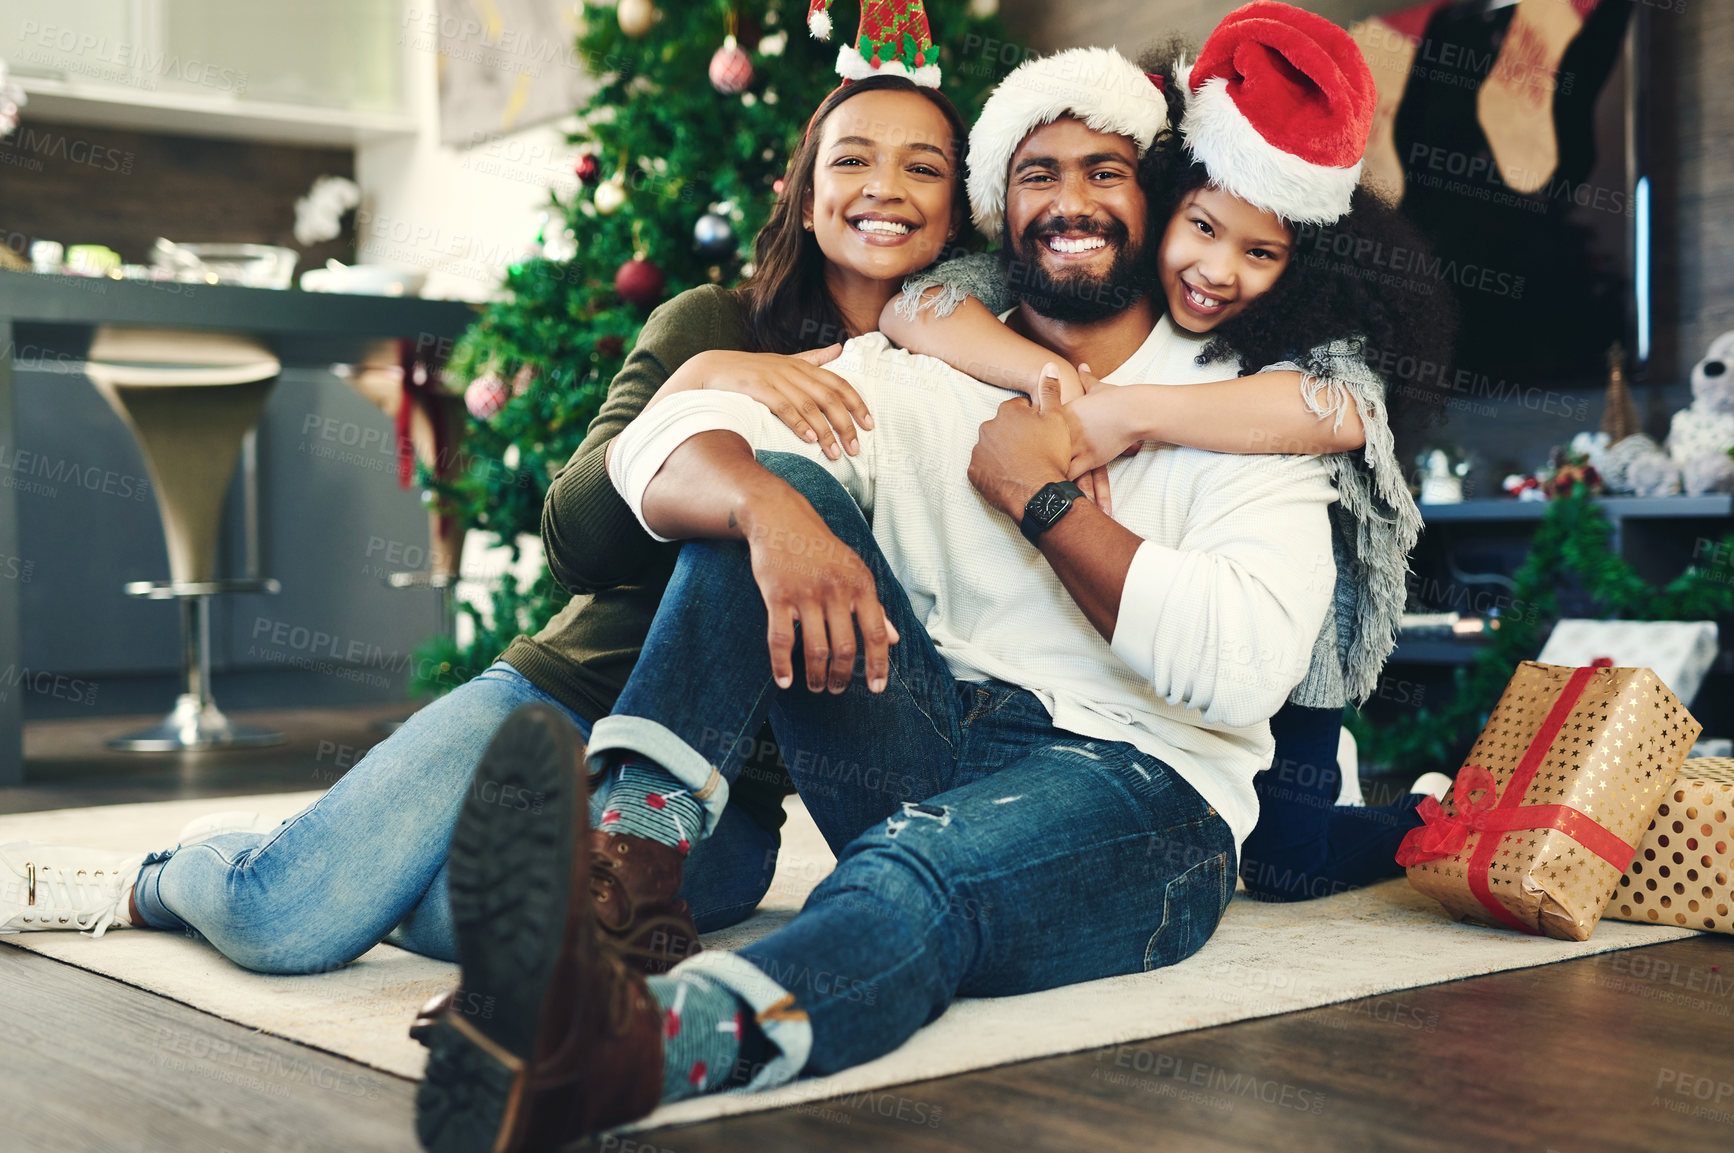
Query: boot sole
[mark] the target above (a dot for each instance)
(512, 876)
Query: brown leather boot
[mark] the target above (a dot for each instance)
(549, 1036)
(634, 890)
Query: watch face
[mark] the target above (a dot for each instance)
(1050, 504)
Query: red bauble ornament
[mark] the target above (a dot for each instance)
(588, 170)
(639, 282)
(610, 346)
(486, 395)
(731, 69)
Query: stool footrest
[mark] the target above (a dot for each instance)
(421, 580)
(174, 590)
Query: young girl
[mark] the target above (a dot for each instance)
(1271, 290)
(872, 195)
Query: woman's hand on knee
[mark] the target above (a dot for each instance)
(809, 577)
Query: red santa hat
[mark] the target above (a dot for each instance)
(1279, 106)
(1097, 85)
(894, 40)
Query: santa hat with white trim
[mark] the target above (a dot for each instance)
(1097, 85)
(894, 40)
(1279, 105)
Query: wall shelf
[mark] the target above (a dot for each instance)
(116, 106)
(1616, 507)
(1437, 651)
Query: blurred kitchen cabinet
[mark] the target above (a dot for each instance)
(311, 71)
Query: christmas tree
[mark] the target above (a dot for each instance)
(681, 150)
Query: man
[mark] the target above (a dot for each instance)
(1065, 711)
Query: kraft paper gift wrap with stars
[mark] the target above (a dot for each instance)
(1683, 873)
(1549, 808)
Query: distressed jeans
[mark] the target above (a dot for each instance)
(981, 851)
(367, 861)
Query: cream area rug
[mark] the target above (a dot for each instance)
(1264, 960)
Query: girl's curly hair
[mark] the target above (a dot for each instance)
(1353, 280)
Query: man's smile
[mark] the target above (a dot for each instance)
(1074, 244)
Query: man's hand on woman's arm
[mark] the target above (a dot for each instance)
(713, 487)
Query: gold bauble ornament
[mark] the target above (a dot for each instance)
(610, 197)
(636, 16)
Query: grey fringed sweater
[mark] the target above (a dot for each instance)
(1374, 523)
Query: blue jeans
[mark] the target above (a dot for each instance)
(367, 861)
(1305, 844)
(981, 851)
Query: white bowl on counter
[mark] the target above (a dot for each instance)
(250, 265)
(364, 279)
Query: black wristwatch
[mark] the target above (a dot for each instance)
(1043, 510)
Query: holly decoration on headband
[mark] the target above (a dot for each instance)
(894, 37)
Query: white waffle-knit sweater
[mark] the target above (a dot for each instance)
(1220, 609)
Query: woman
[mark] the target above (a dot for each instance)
(872, 195)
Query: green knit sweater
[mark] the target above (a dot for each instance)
(597, 548)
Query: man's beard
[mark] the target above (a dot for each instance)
(1076, 297)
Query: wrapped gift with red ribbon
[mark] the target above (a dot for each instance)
(1549, 808)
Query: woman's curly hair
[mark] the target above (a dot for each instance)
(1344, 281)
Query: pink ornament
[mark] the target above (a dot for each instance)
(486, 396)
(731, 70)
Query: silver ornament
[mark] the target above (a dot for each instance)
(713, 236)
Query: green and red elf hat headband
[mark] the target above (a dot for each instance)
(894, 40)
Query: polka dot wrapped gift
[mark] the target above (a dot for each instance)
(1548, 811)
(1683, 873)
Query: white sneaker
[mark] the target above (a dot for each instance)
(233, 821)
(1349, 767)
(1435, 785)
(61, 887)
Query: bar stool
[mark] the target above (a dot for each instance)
(190, 399)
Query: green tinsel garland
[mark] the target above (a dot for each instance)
(1573, 539)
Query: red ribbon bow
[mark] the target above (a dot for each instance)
(1482, 808)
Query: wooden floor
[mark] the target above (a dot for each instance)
(1625, 1051)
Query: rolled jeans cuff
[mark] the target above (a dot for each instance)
(783, 1023)
(655, 742)
(145, 895)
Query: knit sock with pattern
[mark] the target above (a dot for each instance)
(703, 1024)
(646, 801)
